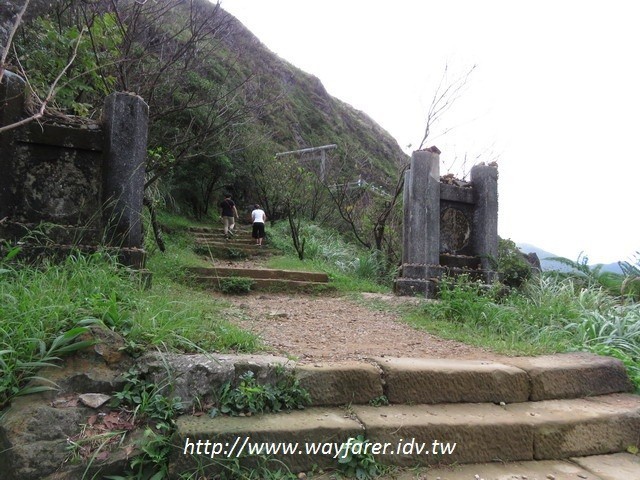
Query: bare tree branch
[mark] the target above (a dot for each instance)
(50, 95)
(12, 32)
(443, 99)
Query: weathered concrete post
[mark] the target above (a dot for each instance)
(11, 110)
(125, 126)
(421, 229)
(484, 236)
(406, 215)
(423, 242)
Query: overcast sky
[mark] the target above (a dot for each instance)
(555, 98)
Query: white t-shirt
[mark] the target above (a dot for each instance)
(258, 215)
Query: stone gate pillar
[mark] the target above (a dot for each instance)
(12, 90)
(484, 236)
(421, 228)
(125, 124)
(421, 242)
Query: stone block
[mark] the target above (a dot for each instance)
(573, 375)
(617, 466)
(201, 376)
(579, 427)
(481, 433)
(413, 286)
(340, 383)
(125, 151)
(418, 380)
(294, 429)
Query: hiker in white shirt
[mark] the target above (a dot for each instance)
(258, 217)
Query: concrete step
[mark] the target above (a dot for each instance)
(232, 251)
(265, 273)
(431, 381)
(460, 261)
(244, 240)
(403, 434)
(618, 466)
(270, 284)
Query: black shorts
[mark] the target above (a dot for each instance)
(258, 230)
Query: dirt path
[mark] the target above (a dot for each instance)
(335, 328)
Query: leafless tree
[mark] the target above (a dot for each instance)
(446, 94)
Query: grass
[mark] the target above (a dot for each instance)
(44, 311)
(548, 315)
(350, 269)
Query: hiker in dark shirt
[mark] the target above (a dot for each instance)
(229, 214)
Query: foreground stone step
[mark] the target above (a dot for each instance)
(404, 435)
(546, 430)
(517, 379)
(619, 466)
(407, 380)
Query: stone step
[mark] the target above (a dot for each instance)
(220, 238)
(232, 251)
(517, 379)
(265, 273)
(415, 380)
(269, 284)
(618, 466)
(231, 243)
(214, 231)
(545, 430)
(460, 261)
(431, 381)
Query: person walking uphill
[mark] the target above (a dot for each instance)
(229, 214)
(258, 217)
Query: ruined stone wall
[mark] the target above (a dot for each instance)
(80, 180)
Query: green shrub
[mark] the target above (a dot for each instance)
(236, 285)
(514, 270)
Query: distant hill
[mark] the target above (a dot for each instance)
(547, 264)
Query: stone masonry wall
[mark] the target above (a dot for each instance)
(80, 180)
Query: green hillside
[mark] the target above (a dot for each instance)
(220, 101)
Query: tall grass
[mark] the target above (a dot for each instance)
(550, 314)
(351, 268)
(44, 310)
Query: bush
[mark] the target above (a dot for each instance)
(514, 270)
(236, 285)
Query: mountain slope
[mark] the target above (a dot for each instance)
(305, 115)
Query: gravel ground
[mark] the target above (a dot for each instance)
(334, 328)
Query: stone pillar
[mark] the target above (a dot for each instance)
(421, 228)
(424, 211)
(406, 214)
(125, 124)
(12, 90)
(485, 217)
